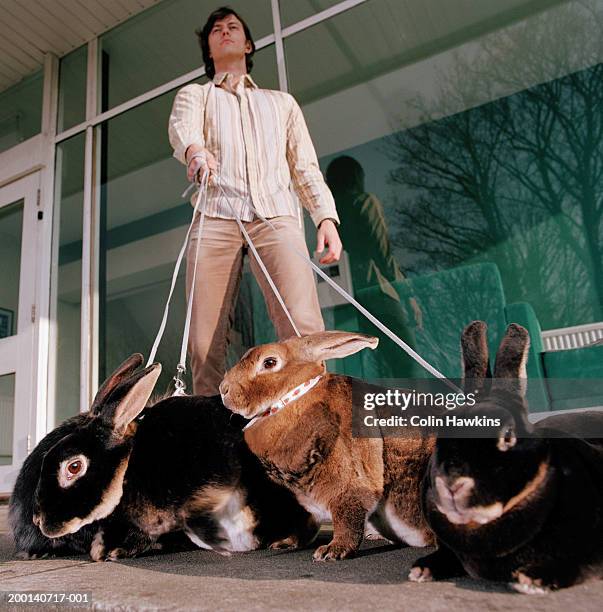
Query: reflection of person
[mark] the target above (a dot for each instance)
(256, 144)
(364, 232)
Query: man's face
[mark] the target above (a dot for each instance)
(227, 40)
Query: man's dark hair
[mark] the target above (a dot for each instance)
(203, 36)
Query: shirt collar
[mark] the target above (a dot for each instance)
(222, 76)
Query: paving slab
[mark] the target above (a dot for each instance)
(269, 580)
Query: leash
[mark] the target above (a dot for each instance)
(258, 258)
(181, 367)
(388, 332)
(202, 194)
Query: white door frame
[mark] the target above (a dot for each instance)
(32, 161)
(18, 352)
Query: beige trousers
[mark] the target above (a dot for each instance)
(219, 270)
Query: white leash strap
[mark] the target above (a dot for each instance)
(390, 334)
(259, 260)
(181, 365)
(166, 311)
(187, 325)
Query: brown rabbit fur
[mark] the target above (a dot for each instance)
(309, 447)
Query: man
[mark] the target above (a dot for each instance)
(255, 144)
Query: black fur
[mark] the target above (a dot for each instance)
(29, 540)
(202, 443)
(95, 440)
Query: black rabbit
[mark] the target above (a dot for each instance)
(118, 483)
(30, 542)
(522, 504)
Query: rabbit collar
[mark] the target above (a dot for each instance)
(286, 399)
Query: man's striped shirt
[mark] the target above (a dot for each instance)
(261, 144)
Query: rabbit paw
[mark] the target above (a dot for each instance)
(370, 533)
(25, 555)
(97, 548)
(332, 552)
(420, 574)
(99, 552)
(528, 586)
(116, 553)
(285, 544)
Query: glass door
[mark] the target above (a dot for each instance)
(18, 256)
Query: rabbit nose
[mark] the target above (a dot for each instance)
(223, 388)
(36, 520)
(461, 486)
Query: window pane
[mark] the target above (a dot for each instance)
(21, 111)
(67, 300)
(7, 415)
(160, 44)
(72, 89)
(456, 137)
(144, 220)
(11, 232)
(143, 223)
(293, 11)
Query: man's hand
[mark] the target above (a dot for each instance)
(328, 236)
(199, 159)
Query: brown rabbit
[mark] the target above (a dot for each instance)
(309, 446)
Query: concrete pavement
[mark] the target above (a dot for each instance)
(269, 580)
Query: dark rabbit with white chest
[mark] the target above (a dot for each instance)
(308, 446)
(116, 484)
(523, 504)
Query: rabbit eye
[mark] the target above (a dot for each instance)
(71, 470)
(74, 467)
(269, 363)
(507, 440)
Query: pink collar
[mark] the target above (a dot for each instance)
(286, 399)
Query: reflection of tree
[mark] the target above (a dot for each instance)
(559, 162)
(517, 181)
(467, 293)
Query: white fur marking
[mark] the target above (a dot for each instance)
(237, 521)
(259, 370)
(97, 548)
(318, 511)
(196, 540)
(455, 507)
(408, 534)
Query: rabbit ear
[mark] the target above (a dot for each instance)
(125, 370)
(512, 358)
(333, 345)
(129, 398)
(474, 348)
